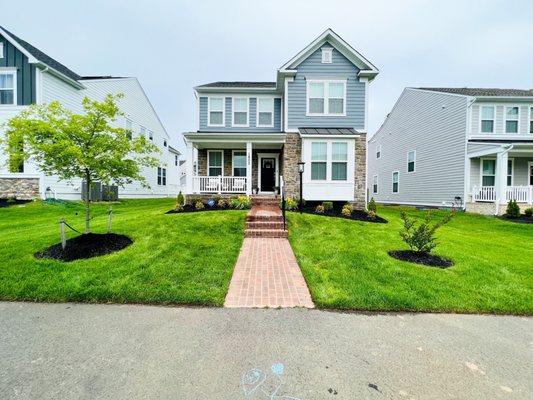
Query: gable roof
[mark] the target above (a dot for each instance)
(367, 68)
(34, 54)
(483, 92)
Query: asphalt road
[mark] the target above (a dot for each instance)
(73, 351)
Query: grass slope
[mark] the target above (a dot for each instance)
(178, 258)
(346, 265)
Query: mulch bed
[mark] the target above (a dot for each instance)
(86, 246)
(419, 257)
(188, 208)
(523, 219)
(357, 215)
(11, 202)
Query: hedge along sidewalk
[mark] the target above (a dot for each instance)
(174, 259)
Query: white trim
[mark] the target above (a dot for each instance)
(493, 106)
(505, 120)
(31, 59)
(392, 182)
(233, 161)
(326, 83)
(327, 55)
(257, 112)
(12, 72)
(233, 124)
(530, 119)
(222, 161)
(376, 184)
(1, 49)
(414, 162)
(529, 172)
(209, 110)
(276, 170)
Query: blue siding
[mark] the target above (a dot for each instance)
(251, 119)
(26, 87)
(340, 68)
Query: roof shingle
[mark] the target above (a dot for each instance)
(327, 131)
(239, 84)
(488, 92)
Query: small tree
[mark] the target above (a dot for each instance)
(372, 206)
(513, 210)
(84, 146)
(421, 237)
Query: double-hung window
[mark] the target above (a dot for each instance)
(510, 172)
(326, 98)
(511, 119)
(378, 151)
(339, 161)
(176, 160)
(1, 50)
(8, 88)
(319, 160)
(214, 162)
(143, 131)
(487, 119)
(161, 176)
(531, 120)
(375, 184)
(265, 112)
(395, 182)
(240, 111)
(488, 172)
(128, 128)
(150, 135)
(239, 163)
(215, 114)
(411, 158)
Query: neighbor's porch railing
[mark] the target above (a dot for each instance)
(521, 194)
(219, 184)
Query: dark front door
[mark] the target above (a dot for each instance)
(268, 177)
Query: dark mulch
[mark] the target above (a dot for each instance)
(357, 215)
(523, 219)
(419, 257)
(12, 202)
(86, 246)
(187, 208)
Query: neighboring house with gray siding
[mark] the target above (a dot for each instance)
(251, 135)
(440, 146)
(29, 76)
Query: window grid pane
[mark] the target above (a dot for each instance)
(215, 159)
(215, 117)
(318, 171)
(6, 81)
(489, 167)
(339, 151)
(265, 105)
(316, 90)
(241, 104)
(339, 171)
(240, 118)
(487, 126)
(265, 118)
(487, 112)
(319, 151)
(215, 104)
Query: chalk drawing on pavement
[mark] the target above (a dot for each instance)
(263, 385)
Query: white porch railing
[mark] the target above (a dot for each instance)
(219, 184)
(521, 194)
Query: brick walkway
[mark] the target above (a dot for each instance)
(266, 273)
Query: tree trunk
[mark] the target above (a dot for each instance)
(88, 204)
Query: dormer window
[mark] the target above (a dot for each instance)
(327, 55)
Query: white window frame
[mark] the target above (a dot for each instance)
(222, 161)
(150, 135)
(233, 162)
(530, 120)
(13, 72)
(1, 49)
(257, 112)
(326, 83)
(209, 110)
(326, 161)
(378, 151)
(327, 55)
(375, 184)
(517, 119)
(392, 182)
(233, 124)
(414, 161)
(142, 131)
(331, 160)
(511, 160)
(161, 176)
(481, 118)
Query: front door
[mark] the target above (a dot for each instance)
(268, 174)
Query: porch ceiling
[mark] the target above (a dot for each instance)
(237, 145)
(224, 140)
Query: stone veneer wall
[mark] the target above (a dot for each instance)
(19, 188)
(360, 172)
(291, 156)
(489, 208)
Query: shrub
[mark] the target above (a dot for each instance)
(319, 209)
(372, 206)
(217, 198)
(178, 207)
(371, 215)
(290, 204)
(222, 203)
(194, 199)
(199, 205)
(421, 238)
(181, 199)
(529, 212)
(240, 202)
(347, 210)
(328, 205)
(513, 211)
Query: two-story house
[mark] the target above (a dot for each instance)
(252, 135)
(440, 146)
(29, 76)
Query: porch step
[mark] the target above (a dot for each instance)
(264, 218)
(266, 233)
(264, 225)
(265, 200)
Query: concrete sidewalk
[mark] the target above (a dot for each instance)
(72, 351)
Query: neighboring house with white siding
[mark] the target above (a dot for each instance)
(440, 146)
(28, 76)
(251, 135)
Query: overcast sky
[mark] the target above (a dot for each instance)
(171, 46)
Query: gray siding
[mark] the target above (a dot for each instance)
(340, 68)
(520, 170)
(434, 125)
(252, 117)
(25, 72)
(499, 123)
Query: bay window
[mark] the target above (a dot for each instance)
(215, 112)
(240, 111)
(339, 164)
(319, 160)
(511, 119)
(326, 98)
(215, 162)
(239, 163)
(487, 119)
(8, 88)
(265, 112)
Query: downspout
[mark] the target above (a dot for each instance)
(502, 194)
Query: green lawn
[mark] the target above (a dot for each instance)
(346, 265)
(177, 258)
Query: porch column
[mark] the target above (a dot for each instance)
(189, 164)
(501, 177)
(248, 168)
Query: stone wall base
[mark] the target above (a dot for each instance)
(19, 188)
(490, 208)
